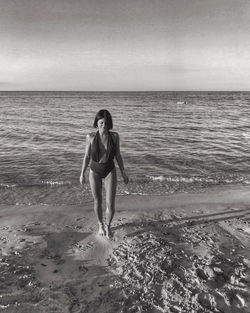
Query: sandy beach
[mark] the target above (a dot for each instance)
(169, 253)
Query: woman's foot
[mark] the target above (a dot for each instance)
(101, 230)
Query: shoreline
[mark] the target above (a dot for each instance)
(81, 194)
(171, 252)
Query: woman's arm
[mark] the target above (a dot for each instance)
(86, 159)
(119, 160)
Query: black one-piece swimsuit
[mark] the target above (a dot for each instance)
(102, 169)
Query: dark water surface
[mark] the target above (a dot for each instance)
(170, 141)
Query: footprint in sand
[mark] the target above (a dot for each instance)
(82, 246)
(80, 218)
(83, 269)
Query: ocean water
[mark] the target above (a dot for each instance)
(170, 142)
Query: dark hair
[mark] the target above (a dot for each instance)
(104, 114)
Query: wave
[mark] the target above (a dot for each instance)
(207, 179)
(141, 179)
(56, 192)
(7, 185)
(42, 183)
(56, 183)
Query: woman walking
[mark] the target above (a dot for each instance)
(101, 149)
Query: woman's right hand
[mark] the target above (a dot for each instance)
(82, 179)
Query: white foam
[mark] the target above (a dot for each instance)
(157, 178)
(8, 185)
(55, 183)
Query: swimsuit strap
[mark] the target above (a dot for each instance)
(95, 148)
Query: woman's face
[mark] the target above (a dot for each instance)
(102, 125)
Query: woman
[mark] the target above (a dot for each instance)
(101, 149)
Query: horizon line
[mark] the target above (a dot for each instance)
(119, 91)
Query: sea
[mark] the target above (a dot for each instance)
(170, 142)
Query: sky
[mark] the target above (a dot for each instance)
(124, 45)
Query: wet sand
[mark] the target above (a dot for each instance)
(169, 253)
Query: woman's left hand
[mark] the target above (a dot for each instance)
(82, 179)
(125, 178)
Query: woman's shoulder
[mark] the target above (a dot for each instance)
(114, 135)
(91, 136)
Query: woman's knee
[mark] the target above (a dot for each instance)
(97, 202)
(110, 206)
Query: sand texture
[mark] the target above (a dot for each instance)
(180, 253)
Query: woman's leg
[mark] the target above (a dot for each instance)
(110, 187)
(96, 188)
